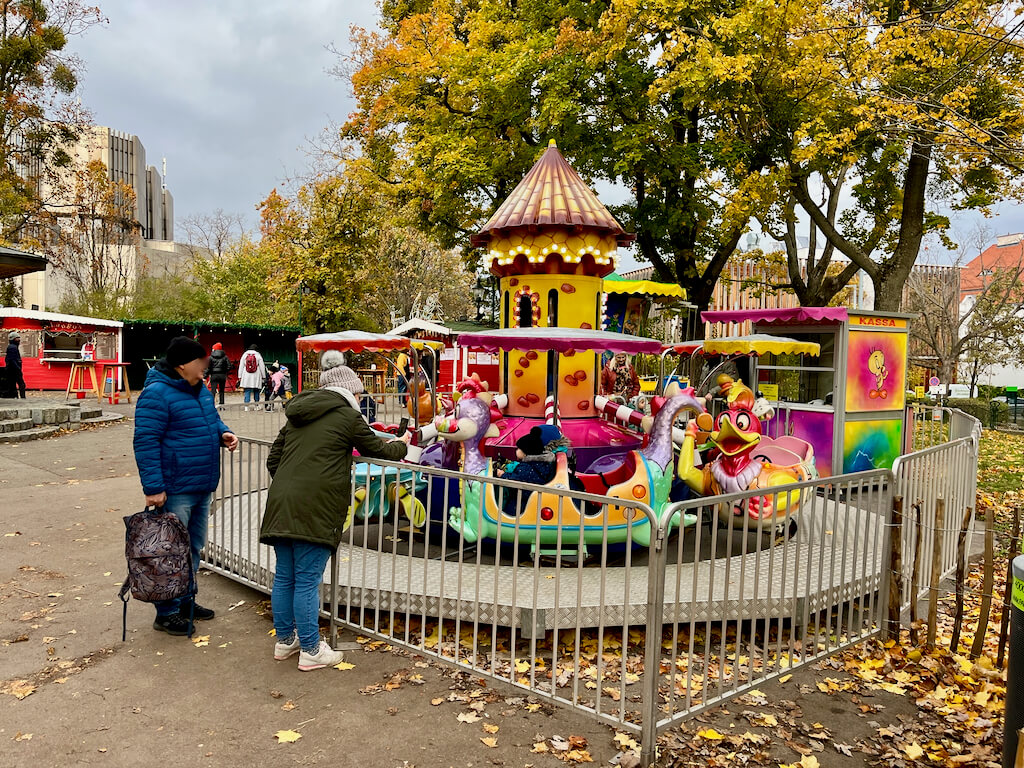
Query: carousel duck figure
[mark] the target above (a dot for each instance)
(742, 459)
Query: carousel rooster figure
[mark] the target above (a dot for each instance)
(737, 465)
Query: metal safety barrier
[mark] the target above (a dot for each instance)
(937, 487)
(634, 618)
(760, 601)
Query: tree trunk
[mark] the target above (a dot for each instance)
(896, 270)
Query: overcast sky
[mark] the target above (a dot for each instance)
(230, 91)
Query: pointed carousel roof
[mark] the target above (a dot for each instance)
(552, 194)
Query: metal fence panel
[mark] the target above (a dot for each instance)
(763, 599)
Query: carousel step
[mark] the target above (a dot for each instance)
(28, 434)
(15, 425)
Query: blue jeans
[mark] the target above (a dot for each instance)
(252, 391)
(295, 599)
(193, 509)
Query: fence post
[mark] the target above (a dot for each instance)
(961, 575)
(652, 650)
(334, 598)
(986, 589)
(892, 625)
(936, 572)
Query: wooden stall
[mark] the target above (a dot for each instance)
(52, 343)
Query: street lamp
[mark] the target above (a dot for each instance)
(480, 292)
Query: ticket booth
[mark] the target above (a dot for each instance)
(848, 401)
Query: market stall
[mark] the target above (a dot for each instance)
(52, 343)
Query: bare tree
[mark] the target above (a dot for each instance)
(414, 277)
(94, 243)
(212, 234)
(950, 327)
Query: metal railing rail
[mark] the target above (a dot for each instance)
(645, 623)
(943, 475)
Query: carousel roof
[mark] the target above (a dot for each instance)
(423, 326)
(14, 262)
(616, 283)
(552, 194)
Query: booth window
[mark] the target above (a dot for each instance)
(553, 308)
(802, 378)
(525, 311)
(65, 345)
(106, 346)
(505, 310)
(30, 343)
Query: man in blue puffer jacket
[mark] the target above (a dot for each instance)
(178, 436)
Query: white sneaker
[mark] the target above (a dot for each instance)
(324, 657)
(288, 649)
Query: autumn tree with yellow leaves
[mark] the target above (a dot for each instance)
(868, 120)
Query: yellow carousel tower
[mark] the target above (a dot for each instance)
(550, 244)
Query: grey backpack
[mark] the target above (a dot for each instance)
(159, 556)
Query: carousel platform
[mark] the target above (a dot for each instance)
(833, 559)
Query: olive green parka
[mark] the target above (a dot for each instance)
(311, 466)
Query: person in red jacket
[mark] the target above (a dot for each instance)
(619, 379)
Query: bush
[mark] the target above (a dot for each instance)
(979, 409)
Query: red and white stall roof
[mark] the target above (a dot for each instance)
(54, 320)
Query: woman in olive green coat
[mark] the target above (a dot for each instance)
(310, 463)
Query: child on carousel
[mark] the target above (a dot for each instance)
(536, 452)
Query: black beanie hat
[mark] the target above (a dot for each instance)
(531, 444)
(183, 350)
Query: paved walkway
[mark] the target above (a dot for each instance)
(98, 701)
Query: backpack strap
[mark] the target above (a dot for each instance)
(123, 594)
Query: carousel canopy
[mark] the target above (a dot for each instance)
(783, 315)
(351, 341)
(760, 344)
(422, 326)
(559, 340)
(616, 283)
(684, 347)
(552, 194)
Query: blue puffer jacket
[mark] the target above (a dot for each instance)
(177, 435)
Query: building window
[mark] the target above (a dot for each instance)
(985, 273)
(553, 308)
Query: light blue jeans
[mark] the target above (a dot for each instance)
(193, 509)
(253, 391)
(295, 599)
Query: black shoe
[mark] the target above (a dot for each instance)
(174, 624)
(198, 613)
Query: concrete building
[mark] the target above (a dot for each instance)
(124, 156)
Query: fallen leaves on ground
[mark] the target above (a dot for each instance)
(287, 737)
